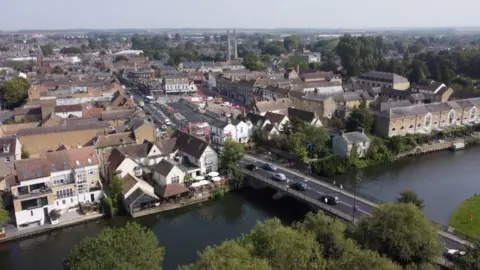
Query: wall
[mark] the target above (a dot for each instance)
(67, 114)
(145, 132)
(52, 141)
(401, 86)
(126, 167)
(340, 146)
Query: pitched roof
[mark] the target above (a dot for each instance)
(114, 140)
(356, 137)
(136, 150)
(115, 159)
(273, 105)
(275, 118)
(256, 119)
(63, 128)
(8, 146)
(306, 116)
(117, 114)
(167, 145)
(164, 167)
(32, 168)
(81, 157)
(190, 144)
(128, 182)
(68, 108)
(172, 190)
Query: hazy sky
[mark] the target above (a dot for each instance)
(98, 14)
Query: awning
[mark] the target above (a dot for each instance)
(216, 179)
(213, 174)
(200, 183)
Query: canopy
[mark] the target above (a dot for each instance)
(216, 178)
(198, 178)
(213, 174)
(200, 183)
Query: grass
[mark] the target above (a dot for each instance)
(460, 219)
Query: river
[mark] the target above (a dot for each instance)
(443, 180)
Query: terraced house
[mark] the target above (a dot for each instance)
(426, 118)
(57, 182)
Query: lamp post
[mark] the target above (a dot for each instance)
(357, 178)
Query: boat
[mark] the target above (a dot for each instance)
(457, 146)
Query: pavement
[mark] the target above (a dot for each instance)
(317, 188)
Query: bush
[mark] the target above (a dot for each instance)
(109, 208)
(219, 192)
(25, 154)
(329, 165)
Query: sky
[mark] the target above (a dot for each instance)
(352, 14)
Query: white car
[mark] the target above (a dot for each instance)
(209, 98)
(454, 253)
(279, 177)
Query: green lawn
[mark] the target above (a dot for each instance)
(460, 219)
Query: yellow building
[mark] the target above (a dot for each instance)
(426, 118)
(382, 79)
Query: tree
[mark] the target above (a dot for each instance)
(291, 42)
(284, 247)
(274, 48)
(357, 259)
(400, 232)
(25, 154)
(471, 260)
(252, 62)
(129, 247)
(409, 196)
(47, 49)
(228, 256)
(15, 91)
(232, 153)
(115, 187)
(297, 144)
(3, 214)
(359, 118)
(177, 37)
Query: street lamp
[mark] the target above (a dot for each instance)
(357, 178)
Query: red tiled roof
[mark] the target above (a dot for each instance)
(172, 190)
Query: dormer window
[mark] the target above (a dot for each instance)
(77, 163)
(39, 172)
(89, 161)
(6, 148)
(54, 167)
(65, 165)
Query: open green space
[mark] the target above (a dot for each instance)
(466, 218)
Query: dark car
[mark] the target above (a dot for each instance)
(252, 167)
(269, 167)
(299, 186)
(330, 199)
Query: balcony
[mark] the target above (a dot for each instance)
(33, 193)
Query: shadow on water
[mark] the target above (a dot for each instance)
(182, 232)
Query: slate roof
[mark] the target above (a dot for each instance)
(422, 109)
(190, 144)
(164, 167)
(274, 118)
(8, 143)
(355, 137)
(256, 119)
(383, 76)
(115, 159)
(137, 150)
(117, 114)
(306, 116)
(68, 108)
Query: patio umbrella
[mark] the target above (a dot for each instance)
(198, 178)
(216, 179)
(213, 174)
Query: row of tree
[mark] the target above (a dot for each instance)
(397, 236)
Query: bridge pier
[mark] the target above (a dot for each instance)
(278, 195)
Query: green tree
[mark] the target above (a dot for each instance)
(228, 256)
(291, 42)
(25, 154)
(274, 48)
(359, 118)
(400, 232)
(252, 62)
(47, 49)
(409, 196)
(232, 153)
(417, 71)
(115, 188)
(471, 260)
(284, 247)
(15, 91)
(358, 259)
(129, 247)
(3, 214)
(406, 58)
(297, 144)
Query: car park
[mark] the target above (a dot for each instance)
(330, 199)
(299, 186)
(279, 177)
(269, 167)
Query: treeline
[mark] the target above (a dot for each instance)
(320, 242)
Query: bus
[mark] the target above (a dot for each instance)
(149, 99)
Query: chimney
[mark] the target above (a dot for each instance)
(298, 69)
(229, 120)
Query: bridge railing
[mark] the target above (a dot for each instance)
(285, 188)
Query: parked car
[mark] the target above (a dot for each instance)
(269, 167)
(299, 186)
(453, 254)
(164, 127)
(279, 177)
(252, 167)
(330, 199)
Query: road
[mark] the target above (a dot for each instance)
(152, 109)
(317, 188)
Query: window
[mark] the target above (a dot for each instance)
(473, 113)
(7, 159)
(64, 202)
(54, 167)
(175, 179)
(31, 213)
(77, 162)
(208, 169)
(65, 165)
(65, 193)
(39, 172)
(428, 120)
(451, 117)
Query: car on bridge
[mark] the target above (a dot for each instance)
(280, 177)
(299, 186)
(330, 199)
(251, 167)
(269, 167)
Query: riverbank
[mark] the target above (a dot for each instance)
(466, 218)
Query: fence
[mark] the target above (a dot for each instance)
(298, 194)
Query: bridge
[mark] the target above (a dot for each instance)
(344, 209)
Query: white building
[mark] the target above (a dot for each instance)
(166, 172)
(222, 130)
(129, 52)
(343, 144)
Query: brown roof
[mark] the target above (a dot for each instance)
(172, 190)
(32, 168)
(137, 150)
(93, 112)
(279, 104)
(69, 108)
(128, 183)
(115, 159)
(58, 161)
(63, 128)
(167, 146)
(80, 157)
(317, 75)
(117, 114)
(274, 118)
(116, 139)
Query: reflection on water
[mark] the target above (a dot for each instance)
(182, 232)
(443, 180)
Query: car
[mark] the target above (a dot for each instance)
(279, 177)
(252, 167)
(269, 167)
(453, 254)
(164, 127)
(330, 199)
(209, 98)
(298, 186)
